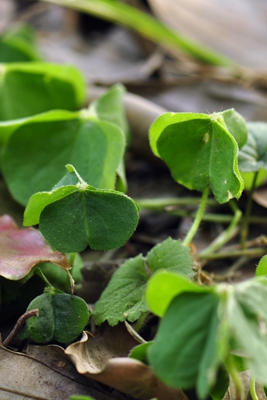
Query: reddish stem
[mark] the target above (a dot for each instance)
(19, 324)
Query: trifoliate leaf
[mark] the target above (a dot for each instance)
(200, 151)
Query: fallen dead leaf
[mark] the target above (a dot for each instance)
(236, 29)
(104, 358)
(45, 373)
(22, 249)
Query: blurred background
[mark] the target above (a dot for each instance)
(108, 53)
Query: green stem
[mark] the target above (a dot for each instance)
(252, 388)
(245, 226)
(208, 217)
(140, 322)
(44, 278)
(166, 204)
(233, 373)
(71, 258)
(226, 235)
(162, 203)
(252, 253)
(148, 27)
(199, 215)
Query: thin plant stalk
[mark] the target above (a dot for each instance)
(199, 215)
(251, 253)
(140, 322)
(71, 280)
(19, 325)
(252, 388)
(161, 204)
(233, 373)
(208, 217)
(245, 226)
(227, 234)
(44, 278)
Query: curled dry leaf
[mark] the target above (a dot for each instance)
(22, 249)
(104, 358)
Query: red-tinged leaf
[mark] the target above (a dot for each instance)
(22, 249)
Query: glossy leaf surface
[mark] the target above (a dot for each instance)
(200, 151)
(22, 249)
(164, 286)
(124, 297)
(8, 127)
(36, 154)
(42, 86)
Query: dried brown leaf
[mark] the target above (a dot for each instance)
(104, 358)
(46, 373)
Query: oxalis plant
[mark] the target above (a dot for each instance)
(65, 165)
